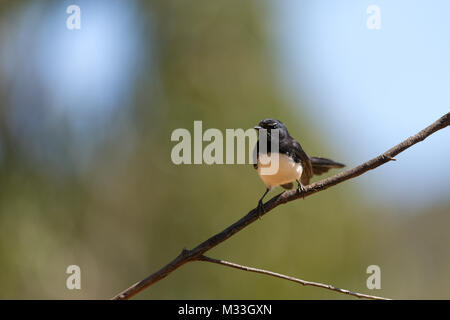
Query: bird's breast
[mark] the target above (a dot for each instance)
(272, 175)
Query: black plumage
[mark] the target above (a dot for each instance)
(290, 147)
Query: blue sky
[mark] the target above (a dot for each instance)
(80, 79)
(370, 89)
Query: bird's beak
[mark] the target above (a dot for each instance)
(257, 127)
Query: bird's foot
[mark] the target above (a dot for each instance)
(260, 209)
(301, 190)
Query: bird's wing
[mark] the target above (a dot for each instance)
(300, 156)
(307, 172)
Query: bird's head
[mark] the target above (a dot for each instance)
(270, 124)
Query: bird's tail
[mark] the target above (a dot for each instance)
(322, 165)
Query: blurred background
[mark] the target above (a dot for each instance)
(86, 117)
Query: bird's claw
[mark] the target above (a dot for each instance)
(301, 190)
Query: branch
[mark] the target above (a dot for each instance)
(282, 276)
(287, 196)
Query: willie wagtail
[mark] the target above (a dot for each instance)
(294, 165)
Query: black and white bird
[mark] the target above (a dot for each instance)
(294, 165)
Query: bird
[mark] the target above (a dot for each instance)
(294, 165)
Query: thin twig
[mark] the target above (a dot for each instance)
(282, 276)
(190, 255)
